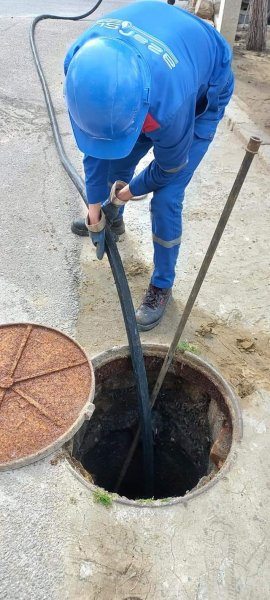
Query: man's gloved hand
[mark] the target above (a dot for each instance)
(112, 204)
(97, 234)
(109, 212)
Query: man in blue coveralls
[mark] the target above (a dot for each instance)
(148, 75)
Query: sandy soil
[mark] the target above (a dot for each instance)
(241, 356)
(252, 71)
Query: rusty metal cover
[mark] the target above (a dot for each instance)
(46, 391)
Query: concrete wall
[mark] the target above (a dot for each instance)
(227, 19)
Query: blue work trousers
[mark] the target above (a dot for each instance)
(167, 202)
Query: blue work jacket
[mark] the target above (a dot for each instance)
(190, 64)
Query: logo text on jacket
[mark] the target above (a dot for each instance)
(126, 28)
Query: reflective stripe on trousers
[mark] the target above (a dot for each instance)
(169, 244)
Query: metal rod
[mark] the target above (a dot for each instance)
(252, 149)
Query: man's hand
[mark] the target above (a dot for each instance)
(97, 233)
(97, 216)
(124, 194)
(112, 205)
(94, 213)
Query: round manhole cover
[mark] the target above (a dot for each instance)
(46, 391)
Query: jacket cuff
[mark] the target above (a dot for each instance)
(96, 194)
(138, 187)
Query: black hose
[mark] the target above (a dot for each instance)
(116, 267)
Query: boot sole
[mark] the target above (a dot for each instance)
(152, 325)
(148, 327)
(118, 230)
(79, 231)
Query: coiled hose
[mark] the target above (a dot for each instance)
(116, 267)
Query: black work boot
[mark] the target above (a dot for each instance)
(79, 228)
(152, 308)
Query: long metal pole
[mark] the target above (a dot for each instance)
(252, 149)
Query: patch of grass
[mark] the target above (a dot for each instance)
(185, 346)
(103, 497)
(169, 499)
(150, 501)
(145, 500)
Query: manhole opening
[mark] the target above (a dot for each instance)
(192, 429)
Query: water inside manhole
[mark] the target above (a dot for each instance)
(192, 434)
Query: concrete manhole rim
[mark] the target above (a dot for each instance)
(84, 414)
(230, 398)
